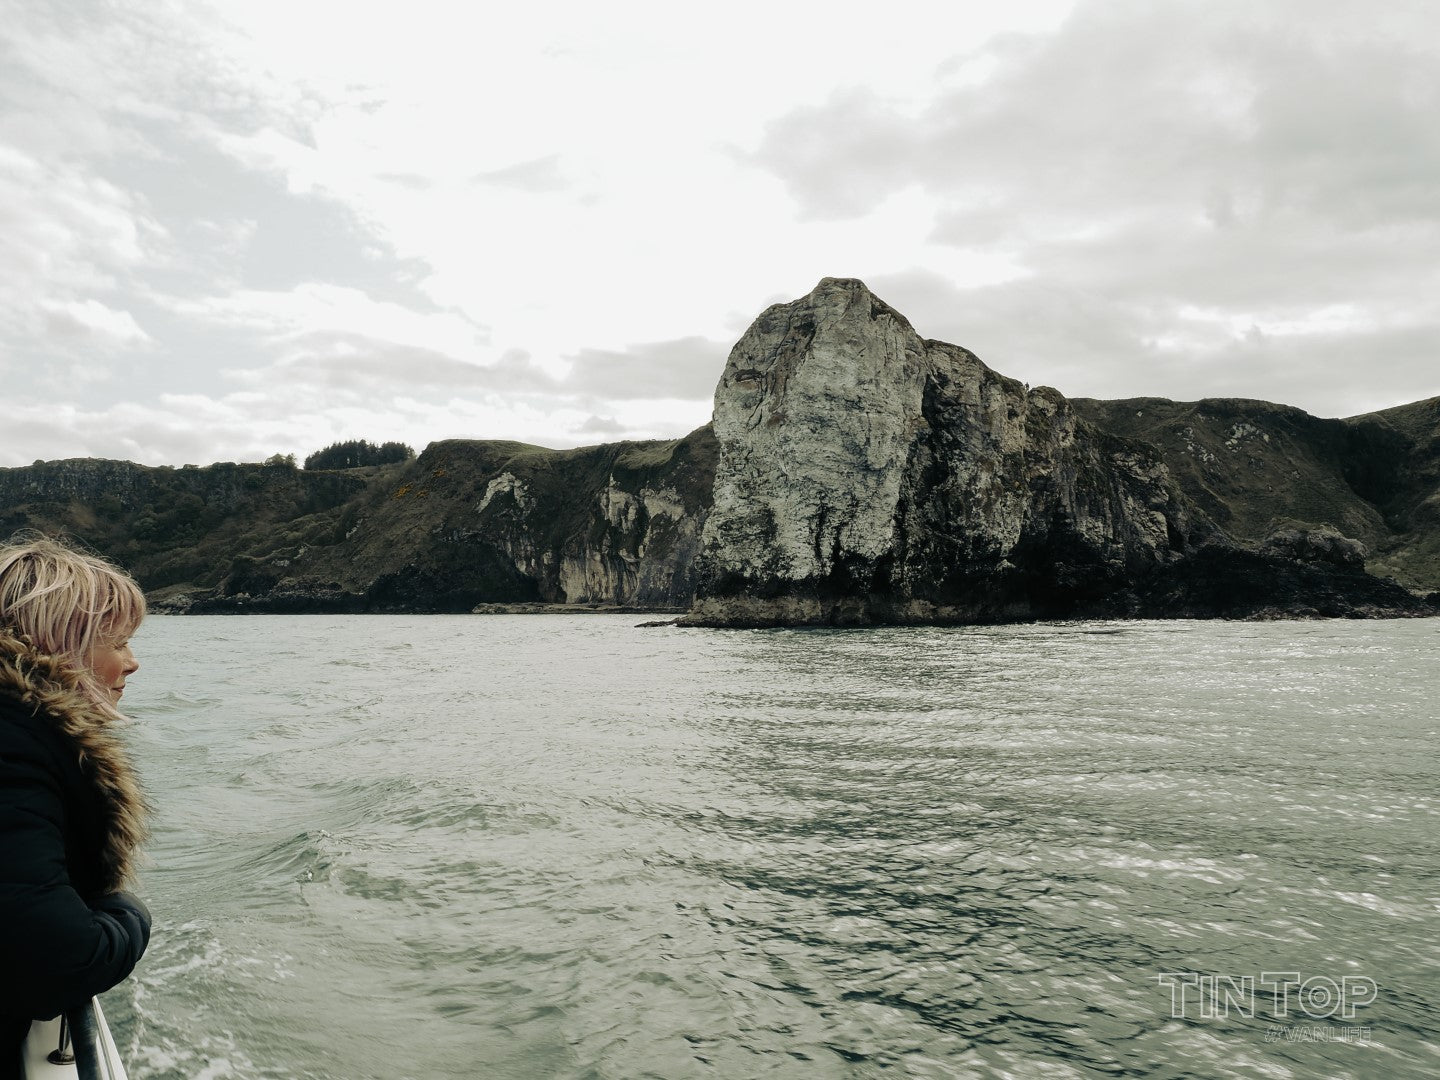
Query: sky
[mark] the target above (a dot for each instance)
(235, 229)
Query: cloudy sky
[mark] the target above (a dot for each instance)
(231, 229)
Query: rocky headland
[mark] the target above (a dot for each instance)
(868, 475)
(854, 473)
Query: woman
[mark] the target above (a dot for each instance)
(72, 816)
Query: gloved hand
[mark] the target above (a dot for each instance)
(127, 923)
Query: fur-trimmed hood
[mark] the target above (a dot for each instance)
(45, 685)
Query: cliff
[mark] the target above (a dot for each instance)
(175, 527)
(1255, 468)
(868, 475)
(854, 473)
(471, 523)
(466, 523)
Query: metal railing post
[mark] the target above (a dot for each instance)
(61, 1055)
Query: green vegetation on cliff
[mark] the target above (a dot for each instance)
(176, 527)
(358, 453)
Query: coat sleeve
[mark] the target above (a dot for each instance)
(55, 949)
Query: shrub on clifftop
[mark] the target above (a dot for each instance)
(357, 452)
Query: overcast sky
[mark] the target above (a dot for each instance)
(234, 229)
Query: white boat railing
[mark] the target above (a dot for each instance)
(82, 1047)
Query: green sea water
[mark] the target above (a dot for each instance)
(565, 847)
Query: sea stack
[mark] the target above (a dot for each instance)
(867, 475)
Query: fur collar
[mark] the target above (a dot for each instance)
(45, 684)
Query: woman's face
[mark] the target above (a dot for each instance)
(111, 662)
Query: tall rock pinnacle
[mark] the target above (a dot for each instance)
(867, 474)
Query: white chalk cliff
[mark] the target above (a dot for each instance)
(866, 474)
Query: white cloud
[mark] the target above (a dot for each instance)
(320, 308)
(686, 369)
(95, 323)
(1266, 164)
(550, 222)
(604, 426)
(68, 238)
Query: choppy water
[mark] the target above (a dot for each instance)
(555, 846)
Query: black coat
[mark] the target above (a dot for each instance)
(71, 816)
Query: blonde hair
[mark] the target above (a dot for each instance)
(65, 603)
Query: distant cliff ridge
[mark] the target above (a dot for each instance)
(854, 473)
(467, 523)
(177, 528)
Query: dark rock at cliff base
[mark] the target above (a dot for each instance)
(453, 580)
(1234, 583)
(290, 598)
(866, 475)
(1315, 543)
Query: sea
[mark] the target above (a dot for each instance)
(569, 846)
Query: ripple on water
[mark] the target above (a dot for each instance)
(561, 847)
